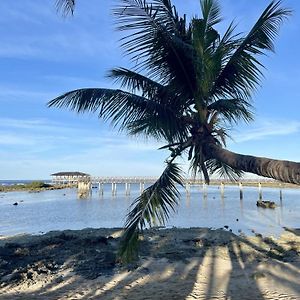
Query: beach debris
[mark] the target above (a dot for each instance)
(265, 204)
(16, 203)
(237, 220)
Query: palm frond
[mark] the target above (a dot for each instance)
(242, 72)
(223, 170)
(211, 12)
(152, 207)
(232, 110)
(136, 82)
(197, 161)
(125, 110)
(155, 43)
(65, 7)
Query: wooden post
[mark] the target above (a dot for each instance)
(222, 189)
(128, 190)
(101, 189)
(280, 192)
(114, 188)
(241, 191)
(141, 187)
(204, 189)
(188, 188)
(259, 191)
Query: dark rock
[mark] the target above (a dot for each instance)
(266, 204)
(66, 237)
(3, 264)
(22, 251)
(226, 226)
(12, 245)
(7, 252)
(30, 275)
(237, 220)
(16, 203)
(95, 240)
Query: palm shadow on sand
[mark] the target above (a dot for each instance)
(174, 264)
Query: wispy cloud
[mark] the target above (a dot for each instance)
(49, 134)
(15, 93)
(265, 129)
(45, 147)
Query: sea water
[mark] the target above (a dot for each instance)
(62, 209)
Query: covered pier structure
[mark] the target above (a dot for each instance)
(69, 177)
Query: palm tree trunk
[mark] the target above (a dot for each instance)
(283, 170)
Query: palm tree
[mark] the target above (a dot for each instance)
(188, 85)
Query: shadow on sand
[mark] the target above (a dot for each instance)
(174, 264)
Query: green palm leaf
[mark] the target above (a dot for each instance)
(242, 73)
(154, 205)
(137, 83)
(126, 111)
(211, 12)
(223, 170)
(156, 44)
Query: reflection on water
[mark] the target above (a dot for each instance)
(61, 209)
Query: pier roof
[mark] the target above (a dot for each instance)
(70, 174)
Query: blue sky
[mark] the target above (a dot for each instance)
(43, 55)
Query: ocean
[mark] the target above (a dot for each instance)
(61, 209)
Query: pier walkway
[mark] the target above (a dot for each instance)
(88, 183)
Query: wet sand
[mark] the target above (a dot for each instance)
(196, 263)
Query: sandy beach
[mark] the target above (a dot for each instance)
(196, 263)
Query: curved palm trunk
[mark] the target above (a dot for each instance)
(286, 171)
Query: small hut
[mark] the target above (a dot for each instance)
(69, 177)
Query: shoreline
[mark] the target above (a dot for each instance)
(263, 184)
(185, 263)
(28, 188)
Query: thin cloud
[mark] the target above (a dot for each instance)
(268, 129)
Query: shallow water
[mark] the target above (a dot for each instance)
(61, 209)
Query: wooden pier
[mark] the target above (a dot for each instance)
(86, 183)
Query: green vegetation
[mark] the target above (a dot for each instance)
(33, 186)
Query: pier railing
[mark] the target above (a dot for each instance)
(87, 184)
